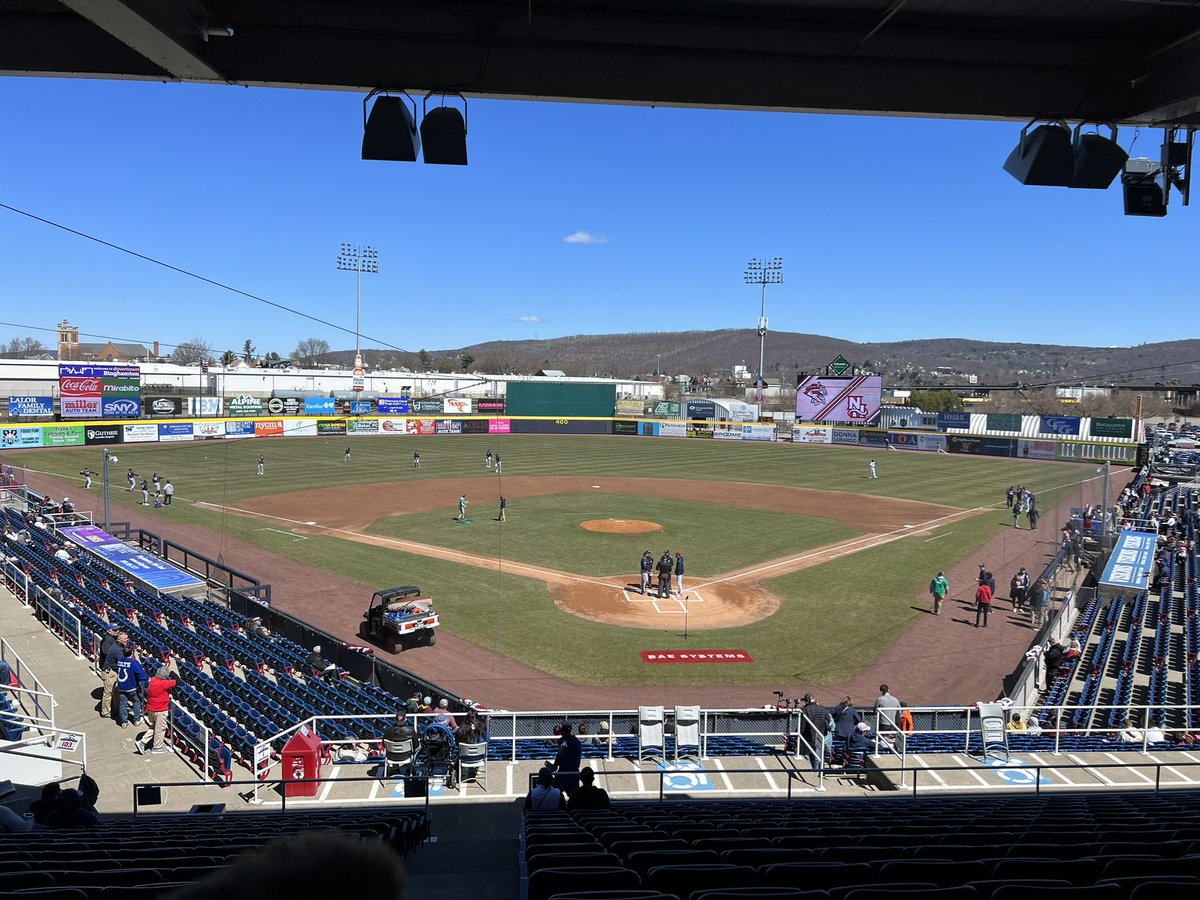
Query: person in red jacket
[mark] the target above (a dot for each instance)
(158, 705)
(983, 603)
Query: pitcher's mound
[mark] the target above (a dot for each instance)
(620, 526)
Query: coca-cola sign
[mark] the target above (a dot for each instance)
(79, 387)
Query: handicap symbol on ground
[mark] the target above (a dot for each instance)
(1015, 772)
(684, 775)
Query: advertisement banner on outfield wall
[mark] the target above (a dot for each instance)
(996, 446)
(319, 406)
(79, 407)
(1065, 425)
(448, 426)
(666, 409)
(300, 428)
(620, 426)
(700, 433)
(245, 406)
(393, 426)
(957, 444)
(362, 426)
(268, 428)
(490, 405)
(872, 437)
(327, 427)
(946, 420)
(806, 434)
(208, 431)
(629, 408)
(140, 434)
(393, 406)
(204, 406)
(701, 409)
(174, 431)
(16, 438)
(1003, 422)
(120, 408)
(1036, 449)
(931, 442)
(758, 432)
(102, 434)
(240, 428)
(843, 436)
(162, 406)
(475, 426)
(499, 426)
(1112, 428)
(725, 434)
(904, 440)
(670, 429)
(429, 405)
(421, 426)
(30, 406)
(62, 436)
(456, 406)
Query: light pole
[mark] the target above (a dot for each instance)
(356, 259)
(763, 271)
(108, 457)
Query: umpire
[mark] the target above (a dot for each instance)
(666, 568)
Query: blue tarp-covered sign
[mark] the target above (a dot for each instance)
(135, 562)
(1131, 561)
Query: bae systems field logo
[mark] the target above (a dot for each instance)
(121, 408)
(816, 393)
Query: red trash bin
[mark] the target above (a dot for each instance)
(301, 760)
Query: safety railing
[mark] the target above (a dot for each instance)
(141, 790)
(34, 694)
(61, 739)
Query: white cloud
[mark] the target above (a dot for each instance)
(531, 320)
(586, 237)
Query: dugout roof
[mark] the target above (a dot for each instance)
(1102, 60)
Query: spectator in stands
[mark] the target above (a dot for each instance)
(588, 796)
(471, 731)
(861, 740)
(11, 823)
(886, 705)
(5, 675)
(1015, 723)
(318, 864)
(603, 736)
(255, 628)
(426, 705)
(64, 554)
(112, 650)
(847, 718)
(1039, 602)
(401, 731)
(158, 706)
(69, 812)
(131, 683)
(1054, 657)
(42, 807)
(815, 729)
(566, 760)
(1073, 650)
(544, 796)
(907, 725)
(444, 710)
(318, 666)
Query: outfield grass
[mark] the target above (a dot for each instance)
(545, 531)
(835, 618)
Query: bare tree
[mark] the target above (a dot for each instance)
(189, 353)
(309, 351)
(22, 348)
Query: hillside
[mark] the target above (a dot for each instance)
(700, 353)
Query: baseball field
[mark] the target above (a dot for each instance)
(792, 554)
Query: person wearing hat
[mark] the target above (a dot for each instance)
(544, 796)
(860, 739)
(426, 705)
(678, 572)
(814, 729)
(444, 710)
(666, 567)
(939, 587)
(400, 730)
(647, 565)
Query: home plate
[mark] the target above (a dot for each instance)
(596, 487)
(910, 526)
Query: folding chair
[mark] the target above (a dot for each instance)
(474, 757)
(687, 731)
(650, 732)
(398, 755)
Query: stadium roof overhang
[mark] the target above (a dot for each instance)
(1093, 60)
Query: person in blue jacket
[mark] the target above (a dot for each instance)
(678, 572)
(131, 682)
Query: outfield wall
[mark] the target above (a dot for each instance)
(165, 431)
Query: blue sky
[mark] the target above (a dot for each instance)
(890, 228)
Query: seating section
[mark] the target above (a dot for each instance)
(153, 854)
(972, 847)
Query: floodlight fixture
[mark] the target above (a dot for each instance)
(359, 260)
(390, 132)
(768, 270)
(444, 132)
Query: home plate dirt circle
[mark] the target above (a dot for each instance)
(620, 526)
(725, 605)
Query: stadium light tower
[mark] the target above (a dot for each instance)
(354, 258)
(763, 271)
